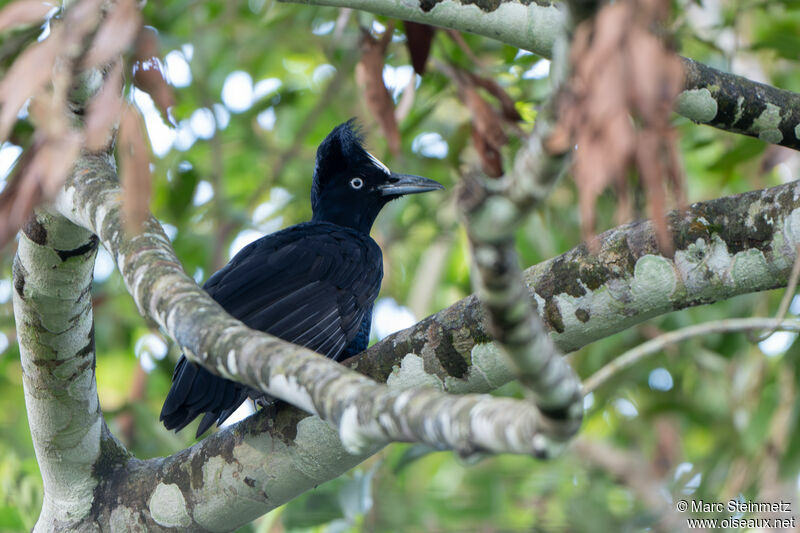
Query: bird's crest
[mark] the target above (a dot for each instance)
(343, 148)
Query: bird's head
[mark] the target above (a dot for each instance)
(351, 185)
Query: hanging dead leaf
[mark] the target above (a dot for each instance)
(37, 176)
(491, 159)
(773, 156)
(104, 111)
(23, 13)
(116, 33)
(488, 136)
(29, 73)
(418, 40)
(406, 100)
(147, 73)
(134, 159)
(369, 75)
(484, 119)
(616, 108)
(507, 105)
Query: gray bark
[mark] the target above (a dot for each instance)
(710, 96)
(724, 247)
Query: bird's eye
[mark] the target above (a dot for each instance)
(356, 183)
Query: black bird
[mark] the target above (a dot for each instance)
(312, 284)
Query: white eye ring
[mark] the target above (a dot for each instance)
(356, 183)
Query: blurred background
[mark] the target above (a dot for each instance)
(257, 85)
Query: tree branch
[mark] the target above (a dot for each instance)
(366, 413)
(53, 312)
(657, 345)
(725, 247)
(719, 99)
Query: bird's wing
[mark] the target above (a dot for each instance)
(311, 285)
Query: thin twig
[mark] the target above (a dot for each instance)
(786, 301)
(633, 356)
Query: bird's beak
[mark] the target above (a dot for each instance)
(401, 184)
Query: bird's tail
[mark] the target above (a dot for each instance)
(195, 391)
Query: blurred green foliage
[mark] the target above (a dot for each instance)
(709, 430)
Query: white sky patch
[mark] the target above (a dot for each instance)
(237, 91)
(222, 115)
(266, 87)
(693, 484)
(170, 230)
(322, 27)
(681, 469)
(161, 135)
(103, 265)
(22, 114)
(267, 118)
(660, 379)
(244, 410)
(188, 51)
(625, 408)
(9, 153)
(389, 317)
(243, 239)
(203, 193)
(794, 307)
(430, 144)
(522, 53)
(202, 123)
(322, 73)
(377, 27)
(45, 31)
(777, 343)
(149, 349)
(588, 401)
(184, 137)
(5, 290)
(379, 163)
(396, 78)
(178, 71)
(278, 198)
(3, 342)
(256, 5)
(539, 70)
(198, 275)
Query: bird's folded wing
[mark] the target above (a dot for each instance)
(311, 285)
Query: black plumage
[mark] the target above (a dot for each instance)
(312, 284)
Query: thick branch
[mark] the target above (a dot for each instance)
(53, 312)
(725, 101)
(366, 413)
(725, 247)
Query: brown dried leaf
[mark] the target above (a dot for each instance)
(135, 169)
(773, 156)
(484, 118)
(24, 12)
(116, 33)
(616, 109)
(491, 159)
(369, 75)
(406, 101)
(418, 40)
(37, 176)
(104, 111)
(507, 105)
(28, 75)
(487, 128)
(147, 74)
